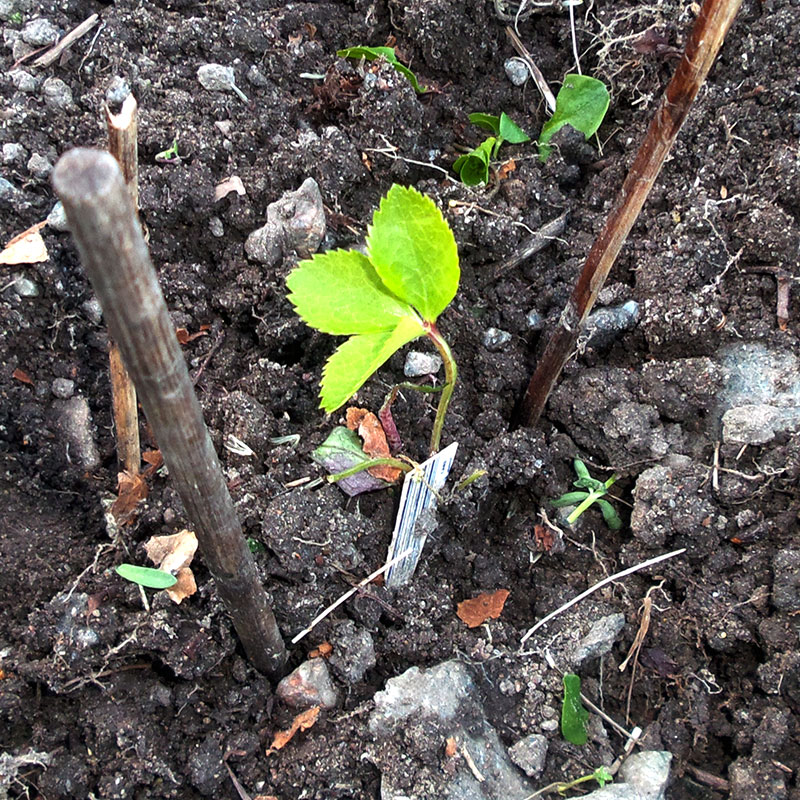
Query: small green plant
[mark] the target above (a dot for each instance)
(372, 53)
(582, 102)
(16, 18)
(146, 576)
(573, 715)
(170, 155)
(594, 492)
(601, 775)
(382, 300)
(473, 167)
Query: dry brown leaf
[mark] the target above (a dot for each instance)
(26, 248)
(506, 168)
(185, 587)
(323, 651)
(171, 553)
(301, 722)
(371, 431)
(131, 489)
(488, 605)
(451, 746)
(154, 459)
(232, 184)
(184, 337)
(22, 376)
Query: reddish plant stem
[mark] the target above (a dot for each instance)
(701, 49)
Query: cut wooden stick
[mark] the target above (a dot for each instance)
(704, 42)
(122, 144)
(113, 251)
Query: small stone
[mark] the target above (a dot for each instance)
(40, 32)
(353, 652)
(494, 339)
(534, 320)
(549, 724)
(7, 10)
(117, 93)
(57, 218)
(216, 227)
(647, 772)
(93, 310)
(57, 95)
(606, 324)
(23, 81)
(419, 364)
(8, 191)
(39, 166)
(600, 638)
(309, 685)
(13, 153)
(21, 50)
(25, 287)
(256, 77)
(73, 420)
(219, 78)
(63, 388)
(529, 754)
(516, 71)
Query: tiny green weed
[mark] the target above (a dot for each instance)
(594, 493)
(473, 167)
(373, 53)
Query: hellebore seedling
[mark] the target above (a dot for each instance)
(170, 155)
(573, 715)
(146, 576)
(372, 53)
(582, 102)
(594, 494)
(382, 300)
(473, 167)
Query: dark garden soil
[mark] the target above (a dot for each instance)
(125, 703)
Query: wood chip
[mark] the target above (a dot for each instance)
(26, 248)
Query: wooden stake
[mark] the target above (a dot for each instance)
(122, 144)
(704, 42)
(113, 251)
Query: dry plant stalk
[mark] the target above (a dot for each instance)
(701, 49)
(122, 144)
(113, 251)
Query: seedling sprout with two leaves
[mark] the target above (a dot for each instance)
(594, 491)
(388, 53)
(382, 300)
(473, 167)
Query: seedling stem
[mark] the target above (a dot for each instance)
(450, 376)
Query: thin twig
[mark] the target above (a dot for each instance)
(701, 49)
(51, 55)
(610, 579)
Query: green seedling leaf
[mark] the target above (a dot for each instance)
(511, 132)
(569, 499)
(414, 251)
(371, 53)
(339, 292)
(573, 715)
(473, 168)
(610, 514)
(170, 155)
(486, 121)
(580, 469)
(146, 576)
(341, 451)
(592, 484)
(348, 368)
(602, 776)
(582, 102)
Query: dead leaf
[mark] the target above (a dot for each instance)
(451, 746)
(185, 587)
(232, 184)
(131, 490)
(372, 434)
(301, 722)
(543, 538)
(154, 459)
(22, 376)
(506, 168)
(487, 605)
(172, 553)
(184, 337)
(26, 248)
(323, 651)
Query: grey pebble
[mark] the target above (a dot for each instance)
(39, 166)
(219, 78)
(606, 324)
(57, 218)
(494, 339)
(57, 95)
(216, 228)
(549, 725)
(23, 81)
(92, 310)
(530, 753)
(419, 364)
(117, 92)
(600, 639)
(6, 10)
(13, 153)
(63, 388)
(25, 287)
(309, 685)
(73, 420)
(353, 652)
(256, 77)
(534, 320)
(20, 49)
(39, 32)
(7, 191)
(516, 71)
